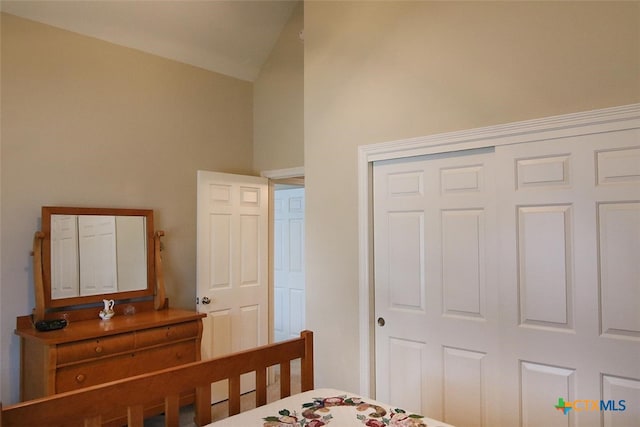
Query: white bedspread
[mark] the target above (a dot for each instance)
(326, 406)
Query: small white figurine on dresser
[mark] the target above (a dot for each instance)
(107, 313)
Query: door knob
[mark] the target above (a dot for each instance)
(381, 321)
(206, 300)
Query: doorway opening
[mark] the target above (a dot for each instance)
(288, 261)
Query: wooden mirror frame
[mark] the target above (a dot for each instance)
(42, 262)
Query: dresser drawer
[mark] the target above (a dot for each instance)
(167, 356)
(90, 373)
(87, 374)
(166, 334)
(91, 349)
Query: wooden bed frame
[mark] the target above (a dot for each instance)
(87, 406)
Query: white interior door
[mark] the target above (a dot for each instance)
(289, 288)
(232, 264)
(508, 280)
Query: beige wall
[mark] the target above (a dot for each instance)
(89, 123)
(382, 71)
(278, 102)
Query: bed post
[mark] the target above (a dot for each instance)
(307, 361)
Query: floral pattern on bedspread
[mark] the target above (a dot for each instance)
(318, 413)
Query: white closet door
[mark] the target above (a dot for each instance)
(437, 346)
(509, 280)
(570, 278)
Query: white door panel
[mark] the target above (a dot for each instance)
(232, 281)
(510, 279)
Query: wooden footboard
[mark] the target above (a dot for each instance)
(85, 407)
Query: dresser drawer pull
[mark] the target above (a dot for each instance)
(99, 349)
(80, 378)
(169, 333)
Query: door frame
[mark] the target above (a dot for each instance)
(561, 126)
(277, 176)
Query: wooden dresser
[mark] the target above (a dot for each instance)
(120, 280)
(93, 351)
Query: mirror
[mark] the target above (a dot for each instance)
(97, 254)
(90, 253)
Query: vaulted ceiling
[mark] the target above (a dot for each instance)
(232, 37)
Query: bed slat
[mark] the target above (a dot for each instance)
(203, 404)
(135, 416)
(172, 410)
(234, 395)
(261, 387)
(285, 380)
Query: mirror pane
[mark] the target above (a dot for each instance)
(97, 254)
